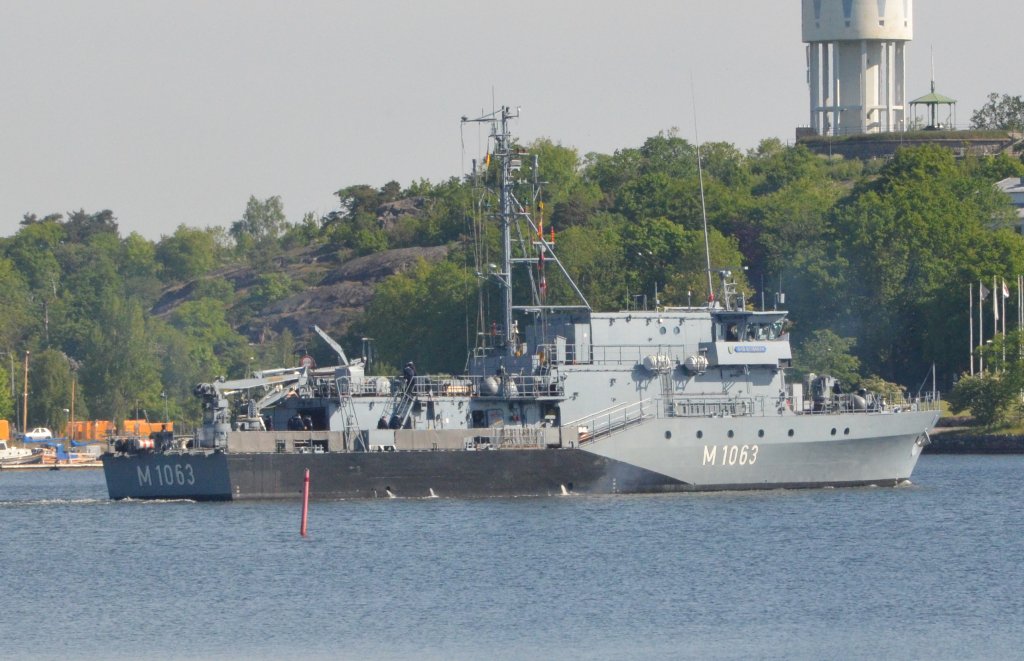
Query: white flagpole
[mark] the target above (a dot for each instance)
(970, 323)
(995, 310)
(981, 329)
(1003, 295)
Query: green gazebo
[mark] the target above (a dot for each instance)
(933, 101)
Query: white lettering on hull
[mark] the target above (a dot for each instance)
(731, 455)
(168, 475)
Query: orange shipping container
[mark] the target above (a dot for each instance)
(144, 428)
(89, 430)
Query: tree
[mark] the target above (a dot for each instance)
(824, 352)
(421, 315)
(987, 396)
(137, 264)
(923, 229)
(994, 395)
(17, 321)
(186, 254)
(261, 224)
(593, 256)
(6, 393)
(559, 169)
(213, 343)
(80, 226)
(120, 371)
(662, 254)
(50, 387)
(1002, 113)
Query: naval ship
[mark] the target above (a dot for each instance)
(555, 399)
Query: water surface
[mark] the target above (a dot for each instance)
(926, 571)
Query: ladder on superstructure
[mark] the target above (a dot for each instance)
(400, 407)
(350, 432)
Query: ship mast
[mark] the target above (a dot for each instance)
(498, 120)
(510, 211)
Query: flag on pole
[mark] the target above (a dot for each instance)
(1006, 290)
(984, 292)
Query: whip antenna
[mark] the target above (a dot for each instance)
(703, 206)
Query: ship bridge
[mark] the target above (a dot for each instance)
(743, 337)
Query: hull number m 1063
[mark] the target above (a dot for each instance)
(167, 475)
(729, 455)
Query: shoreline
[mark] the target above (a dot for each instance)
(965, 442)
(38, 467)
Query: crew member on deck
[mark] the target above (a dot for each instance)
(410, 375)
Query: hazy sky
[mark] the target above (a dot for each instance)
(171, 112)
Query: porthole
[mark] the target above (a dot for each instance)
(662, 330)
(676, 330)
(668, 434)
(833, 431)
(790, 432)
(700, 434)
(730, 433)
(846, 431)
(760, 433)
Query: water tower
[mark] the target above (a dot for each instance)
(856, 59)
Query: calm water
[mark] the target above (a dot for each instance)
(921, 572)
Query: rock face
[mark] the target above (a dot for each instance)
(339, 292)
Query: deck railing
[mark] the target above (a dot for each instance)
(603, 423)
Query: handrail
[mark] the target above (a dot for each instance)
(610, 409)
(602, 425)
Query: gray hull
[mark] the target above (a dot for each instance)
(658, 456)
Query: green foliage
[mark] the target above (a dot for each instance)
(368, 241)
(909, 238)
(49, 390)
(261, 224)
(213, 342)
(824, 352)
(882, 251)
(18, 319)
(987, 397)
(120, 368)
(559, 169)
(186, 254)
(6, 393)
(887, 389)
(304, 233)
(33, 252)
(594, 257)
(269, 289)
(421, 315)
(1004, 112)
(994, 395)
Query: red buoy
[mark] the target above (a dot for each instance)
(305, 504)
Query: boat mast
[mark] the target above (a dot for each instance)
(510, 212)
(503, 153)
(502, 149)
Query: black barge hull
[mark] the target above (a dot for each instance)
(342, 475)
